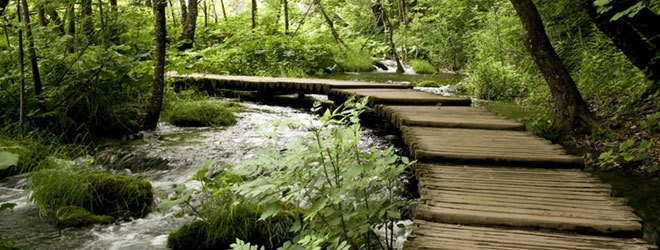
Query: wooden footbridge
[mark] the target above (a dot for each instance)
(485, 183)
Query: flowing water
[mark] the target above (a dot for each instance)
(165, 157)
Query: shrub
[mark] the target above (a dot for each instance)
(423, 67)
(226, 224)
(200, 113)
(100, 193)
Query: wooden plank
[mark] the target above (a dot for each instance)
(446, 117)
(400, 96)
(429, 235)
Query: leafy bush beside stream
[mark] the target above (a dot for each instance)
(345, 193)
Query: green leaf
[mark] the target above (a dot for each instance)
(393, 214)
(271, 210)
(8, 159)
(626, 145)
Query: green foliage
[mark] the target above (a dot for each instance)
(64, 184)
(537, 119)
(652, 122)
(200, 113)
(5, 206)
(354, 61)
(422, 67)
(7, 160)
(226, 216)
(74, 216)
(347, 192)
(8, 245)
(627, 152)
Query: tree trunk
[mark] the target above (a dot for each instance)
(286, 16)
(184, 12)
(148, 3)
(101, 15)
(224, 14)
(21, 62)
(188, 35)
(637, 37)
(41, 14)
(206, 14)
(71, 30)
(571, 110)
(86, 14)
(153, 113)
(36, 77)
(389, 32)
(3, 5)
(330, 24)
(215, 12)
(254, 14)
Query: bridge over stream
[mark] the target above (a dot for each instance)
(485, 183)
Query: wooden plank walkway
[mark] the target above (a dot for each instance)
(484, 182)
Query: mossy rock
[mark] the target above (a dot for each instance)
(423, 67)
(221, 231)
(380, 65)
(427, 84)
(74, 216)
(202, 114)
(118, 195)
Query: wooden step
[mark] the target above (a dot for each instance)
(259, 83)
(399, 97)
(429, 144)
(446, 117)
(430, 235)
(571, 202)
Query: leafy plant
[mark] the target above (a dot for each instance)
(652, 122)
(626, 153)
(346, 192)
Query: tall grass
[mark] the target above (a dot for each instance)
(423, 67)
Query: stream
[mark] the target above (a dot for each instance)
(165, 157)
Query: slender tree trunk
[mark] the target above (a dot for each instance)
(86, 14)
(184, 12)
(188, 35)
(172, 12)
(286, 16)
(638, 37)
(101, 15)
(254, 14)
(330, 24)
(572, 111)
(41, 14)
(215, 12)
(389, 32)
(21, 63)
(206, 14)
(3, 6)
(224, 14)
(153, 113)
(36, 77)
(71, 23)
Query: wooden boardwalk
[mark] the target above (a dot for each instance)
(485, 183)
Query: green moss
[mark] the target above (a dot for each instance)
(427, 84)
(98, 192)
(423, 67)
(201, 113)
(225, 226)
(118, 195)
(74, 216)
(355, 61)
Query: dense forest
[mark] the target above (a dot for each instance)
(582, 73)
